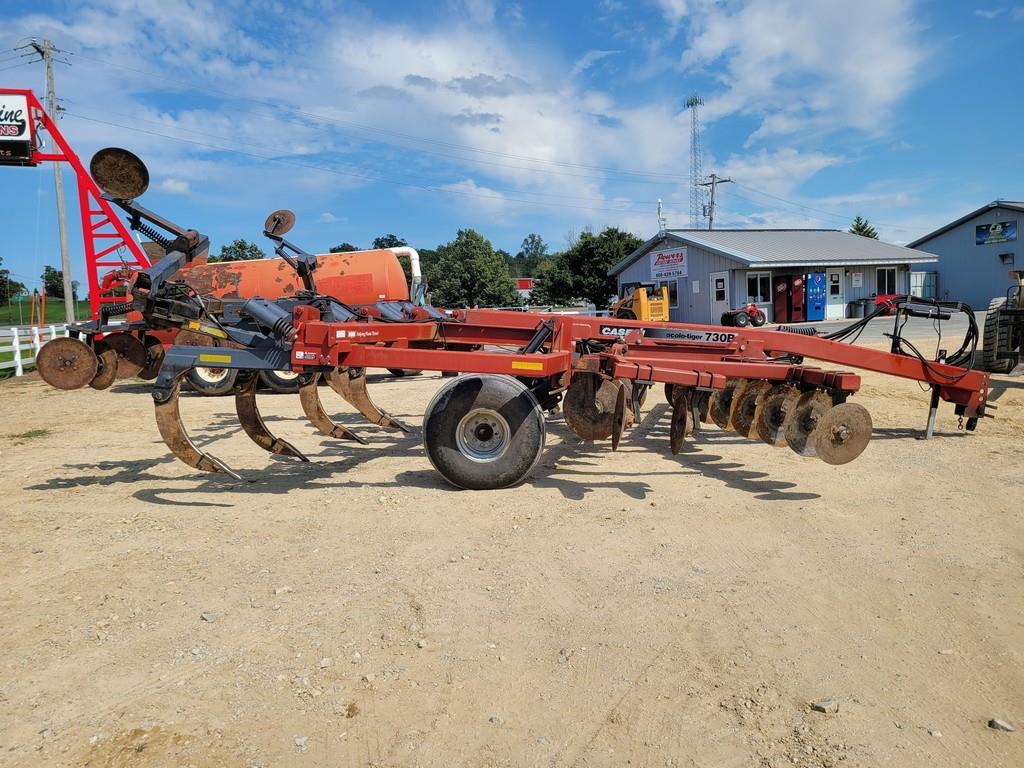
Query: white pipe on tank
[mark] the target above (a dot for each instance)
(414, 266)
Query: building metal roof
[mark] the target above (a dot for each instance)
(784, 248)
(1011, 205)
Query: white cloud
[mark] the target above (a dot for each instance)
(807, 62)
(673, 10)
(779, 172)
(478, 11)
(175, 187)
(327, 218)
(588, 59)
(989, 14)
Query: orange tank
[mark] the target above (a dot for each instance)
(355, 277)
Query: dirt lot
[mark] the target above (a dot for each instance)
(628, 608)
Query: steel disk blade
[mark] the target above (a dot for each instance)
(721, 403)
(744, 407)
(773, 413)
(107, 371)
(589, 405)
(843, 433)
(67, 363)
(618, 416)
(119, 173)
(131, 354)
(801, 427)
(279, 222)
(155, 352)
(680, 424)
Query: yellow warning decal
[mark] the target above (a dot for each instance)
(209, 330)
(522, 365)
(214, 358)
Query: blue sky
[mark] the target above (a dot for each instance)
(519, 117)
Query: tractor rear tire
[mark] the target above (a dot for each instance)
(995, 340)
(212, 382)
(282, 382)
(484, 431)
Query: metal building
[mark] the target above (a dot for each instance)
(711, 271)
(976, 252)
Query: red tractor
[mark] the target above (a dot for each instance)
(744, 316)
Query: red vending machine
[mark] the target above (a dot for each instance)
(780, 299)
(797, 299)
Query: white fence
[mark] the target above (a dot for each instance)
(24, 343)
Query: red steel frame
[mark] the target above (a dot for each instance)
(732, 352)
(104, 235)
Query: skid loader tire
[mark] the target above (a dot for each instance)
(282, 382)
(625, 314)
(212, 382)
(484, 431)
(995, 341)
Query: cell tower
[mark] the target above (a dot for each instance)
(696, 172)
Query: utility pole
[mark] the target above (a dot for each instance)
(710, 208)
(46, 51)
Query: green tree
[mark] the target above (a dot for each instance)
(344, 248)
(53, 281)
(532, 254)
(239, 250)
(581, 271)
(467, 272)
(863, 228)
(9, 288)
(388, 241)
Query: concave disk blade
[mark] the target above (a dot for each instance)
(773, 413)
(800, 430)
(680, 426)
(155, 352)
(67, 363)
(589, 405)
(618, 416)
(721, 403)
(131, 354)
(843, 433)
(119, 173)
(107, 371)
(744, 407)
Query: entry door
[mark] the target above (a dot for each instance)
(719, 296)
(835, 296)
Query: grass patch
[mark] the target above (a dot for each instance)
(30, 434)
(10, 315)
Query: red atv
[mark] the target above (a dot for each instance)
(744, 316)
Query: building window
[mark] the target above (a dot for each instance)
(886, 277)
(673, 291)
(835, 287)
(1006, 258)
(719, 289)
(759, 287)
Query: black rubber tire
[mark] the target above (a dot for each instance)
(400, 372)
(741, 320)
(759, 319)
(204, 385)
(486, 394)
(993, 341)
(625, 314)
(280, 381)
(728, 319)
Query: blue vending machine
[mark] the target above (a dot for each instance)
(816, 296)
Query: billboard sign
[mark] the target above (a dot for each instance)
(999, 232)
(15, 129)
(668, 265)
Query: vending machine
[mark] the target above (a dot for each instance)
(816, 296)
(797, 299)
(788, 299)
